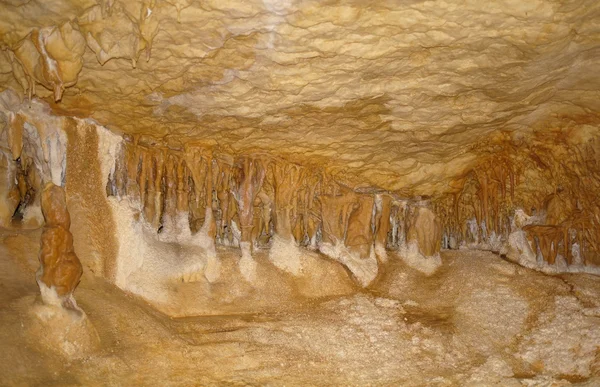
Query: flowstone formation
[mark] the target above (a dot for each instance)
(336, 132)
(300, 192)
(251, 201)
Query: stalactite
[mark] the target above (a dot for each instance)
(182, 186)
(424, 229)
(149, 208)
(222, 187)
(398, 223)
(210, 224)
(359, 233)
(52, 57)
(60, 269)
(132, 167)
(201, 173)
(170, 197)
(550, 193)
(312, 215)
(382, 224)
(335, 212)
(547, 239)
(288, 179)
(27, 186)
(249, 174)
(263, 232)
(9, 192)
(159, 159)
(255, 201)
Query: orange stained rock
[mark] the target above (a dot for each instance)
(288, 179)
(335, 213)
(200, 167)
(425, 228)
(52, 57)
(382, 219)
(547, 238)
(250, 174)
(182, 186)
(359, 235)
(222, 176)
(59, 266)
(558, 207)
(15, 134)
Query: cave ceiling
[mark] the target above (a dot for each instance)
(401, 95)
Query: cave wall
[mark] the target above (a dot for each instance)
(385, 95)
(92, 223)
(147, 212)
(37, 146)
(551, 180)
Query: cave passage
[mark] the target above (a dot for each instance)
(299, 193)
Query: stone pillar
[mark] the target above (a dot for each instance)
(60, 269)
(425, 229)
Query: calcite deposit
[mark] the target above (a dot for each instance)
(60, 269)
(246, 158)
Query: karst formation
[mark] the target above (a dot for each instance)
(300, 192)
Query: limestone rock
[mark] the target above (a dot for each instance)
(57, 331)
(425, 229)
(60, 269)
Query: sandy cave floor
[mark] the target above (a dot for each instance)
(478, 321)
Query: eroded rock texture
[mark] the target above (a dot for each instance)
(425, 230)
(551, 180)
(250, 201)
(392, 95)
(60, 269)
(304, 124)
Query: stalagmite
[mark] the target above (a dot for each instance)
(383, 207)
(408, 190)
(249, 175)
(338, 231)
(288, 179)
(60, 269)
(361, 258)
(425, 229)
(423, 239)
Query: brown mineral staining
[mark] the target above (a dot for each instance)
(60, 268)
(359, 234)
(249, 176)
(51, 57)
(425, 229)
(547, 239)
(335, 213)
(15, 134)
(288, 179)
(227, 157)
(556, 185)
(383, 204)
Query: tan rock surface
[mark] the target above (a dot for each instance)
(60, 268)
(425, 229)
(396, 95)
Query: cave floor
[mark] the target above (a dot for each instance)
(478, 321)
